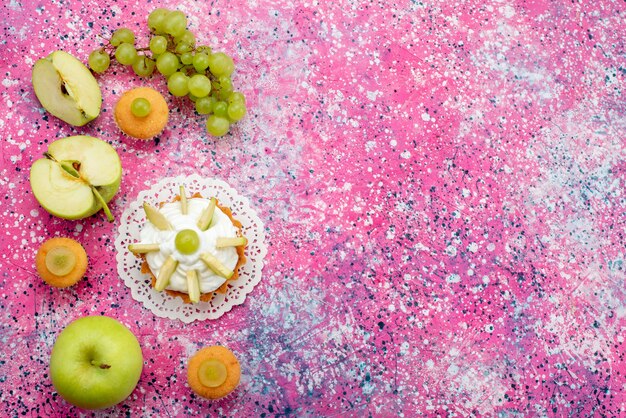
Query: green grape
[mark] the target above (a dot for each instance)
(236, 111)
(158, 44)
(220, 108)
(204, 105)
(192, 97)
(187, 241)
(217, 125)
(140, 107)
(122, 35)
(156, 19)
(224, 94)
(221, 64)
(126, 54)
(226, 87)
(177, 84)
(186, 58)
(200, 61)
(167, 63)
(175, 23)
(186, 38)
(144, 66)
(226, 83)
(205, 49)
(183, 48)
(99, 61)
(199, 85)
(236, 97)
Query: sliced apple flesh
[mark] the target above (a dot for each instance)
(156, 218)
(143, 248)
(184, 206)
(193, 286)
(66, 88)
(78, 176)
(223, 242)
(212, 373)
(207, 215)
(216, 265)
(165, 273)
(58, 192)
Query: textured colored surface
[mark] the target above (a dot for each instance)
(442, 185)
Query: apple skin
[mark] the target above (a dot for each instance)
(67, 197)
(66, 88)
(96, 362)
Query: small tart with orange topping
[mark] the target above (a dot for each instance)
(149, 120)
(213, 372)
(61, 262)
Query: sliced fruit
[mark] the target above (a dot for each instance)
(184, 208)
(193, 286)
(223, 242)
(216, 265)
(207, 215)
(61, 262)
(143, 248)
(66, 88)
(78, 176)
(213, 372)
(167, 269)
(156, 218)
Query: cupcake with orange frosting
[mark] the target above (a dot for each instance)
(213, 372)
(141, 113)
(61, 262)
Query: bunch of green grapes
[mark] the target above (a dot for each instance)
(194, 71)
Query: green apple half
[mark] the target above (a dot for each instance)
(66, 88)
(78, 176)
(96, 362)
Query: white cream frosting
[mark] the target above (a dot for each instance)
(221, 226)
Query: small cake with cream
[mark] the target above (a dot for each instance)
(192, 247)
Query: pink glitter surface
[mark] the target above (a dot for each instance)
(442, 185)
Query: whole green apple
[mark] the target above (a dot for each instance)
(96, 362)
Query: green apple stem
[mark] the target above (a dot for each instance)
(105, 208)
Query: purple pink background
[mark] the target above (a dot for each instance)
(443, 189)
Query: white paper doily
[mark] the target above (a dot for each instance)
(162, 304)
